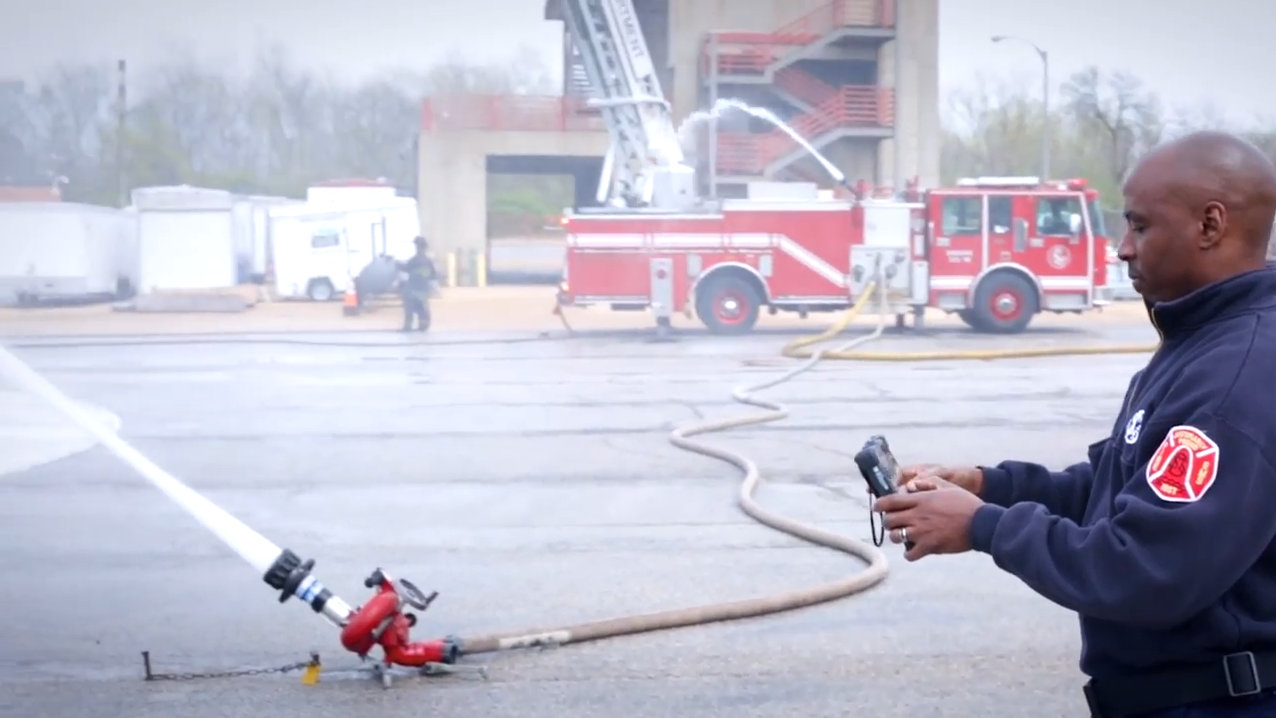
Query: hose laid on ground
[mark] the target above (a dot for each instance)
(873, 574)
(799, 348)
(876, 570)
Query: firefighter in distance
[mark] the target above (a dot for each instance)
(417, 287)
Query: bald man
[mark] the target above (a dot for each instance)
(1164, 540)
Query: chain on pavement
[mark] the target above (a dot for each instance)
(151, 675)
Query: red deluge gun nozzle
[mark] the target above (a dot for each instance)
(382, 621)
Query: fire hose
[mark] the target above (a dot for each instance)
(383, 620)
(876, 569)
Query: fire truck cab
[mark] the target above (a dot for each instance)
(1002, 249)
(994, 250)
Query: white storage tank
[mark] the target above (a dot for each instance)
(186, 238)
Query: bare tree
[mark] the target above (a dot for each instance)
(275, 129)
(375, 127)
(1106, 122)
(525, 74)
(190, 125)
(17, 162)
(67, 115)
(994, 128)
(1118, 107)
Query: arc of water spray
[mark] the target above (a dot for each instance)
(725, 104)
(251, 546)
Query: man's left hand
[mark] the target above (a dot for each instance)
(934, 519)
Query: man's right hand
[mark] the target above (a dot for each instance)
(922, 477)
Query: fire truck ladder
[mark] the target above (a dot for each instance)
(644, 165)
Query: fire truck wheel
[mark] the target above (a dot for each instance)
(970, 319)
(727, 305)
(1004, 304)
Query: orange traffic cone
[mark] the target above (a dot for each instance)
(350, 302)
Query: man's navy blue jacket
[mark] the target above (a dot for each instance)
(1163, 541)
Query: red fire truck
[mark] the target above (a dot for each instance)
(994, 250)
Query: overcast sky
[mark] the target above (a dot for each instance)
(1191, 57)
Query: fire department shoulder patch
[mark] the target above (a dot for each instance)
(1184, 466)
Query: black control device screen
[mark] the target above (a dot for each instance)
(878, 466)
(880, 469)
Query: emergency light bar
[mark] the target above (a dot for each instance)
(999, 182)
(1072, 185)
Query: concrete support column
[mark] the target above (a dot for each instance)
(925, 19)
(910, 65)
(453, 195)
(887, 76)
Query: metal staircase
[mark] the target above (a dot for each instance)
(821, 113)
(760, 55)
(576, 81)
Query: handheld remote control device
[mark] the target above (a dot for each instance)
(880, 469)
(878, 466)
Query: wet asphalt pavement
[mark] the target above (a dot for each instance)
(533, 486)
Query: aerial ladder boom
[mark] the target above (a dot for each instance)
(645, 166)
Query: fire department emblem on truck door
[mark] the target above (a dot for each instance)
(1059, 257)
(1184, 466)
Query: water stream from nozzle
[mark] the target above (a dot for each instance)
(251, 546)
(725, 104)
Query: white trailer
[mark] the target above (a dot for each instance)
(250, 216)
(186, 239)
(64, 251)
(352, 191)
(317, 249)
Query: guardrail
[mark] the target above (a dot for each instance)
(745, 53)
(804, 86)
(839, 14)
(526, 113)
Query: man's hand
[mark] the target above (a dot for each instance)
(922, 477)
(935, 519)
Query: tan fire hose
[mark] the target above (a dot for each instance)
(748, 608)
(865, 579)
(871, 575)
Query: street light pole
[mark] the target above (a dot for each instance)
(1046, 123)
(121, 128)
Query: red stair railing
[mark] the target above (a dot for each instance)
(804, 86)
(836, 15)
(746, 53)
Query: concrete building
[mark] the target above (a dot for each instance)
(858, 79)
